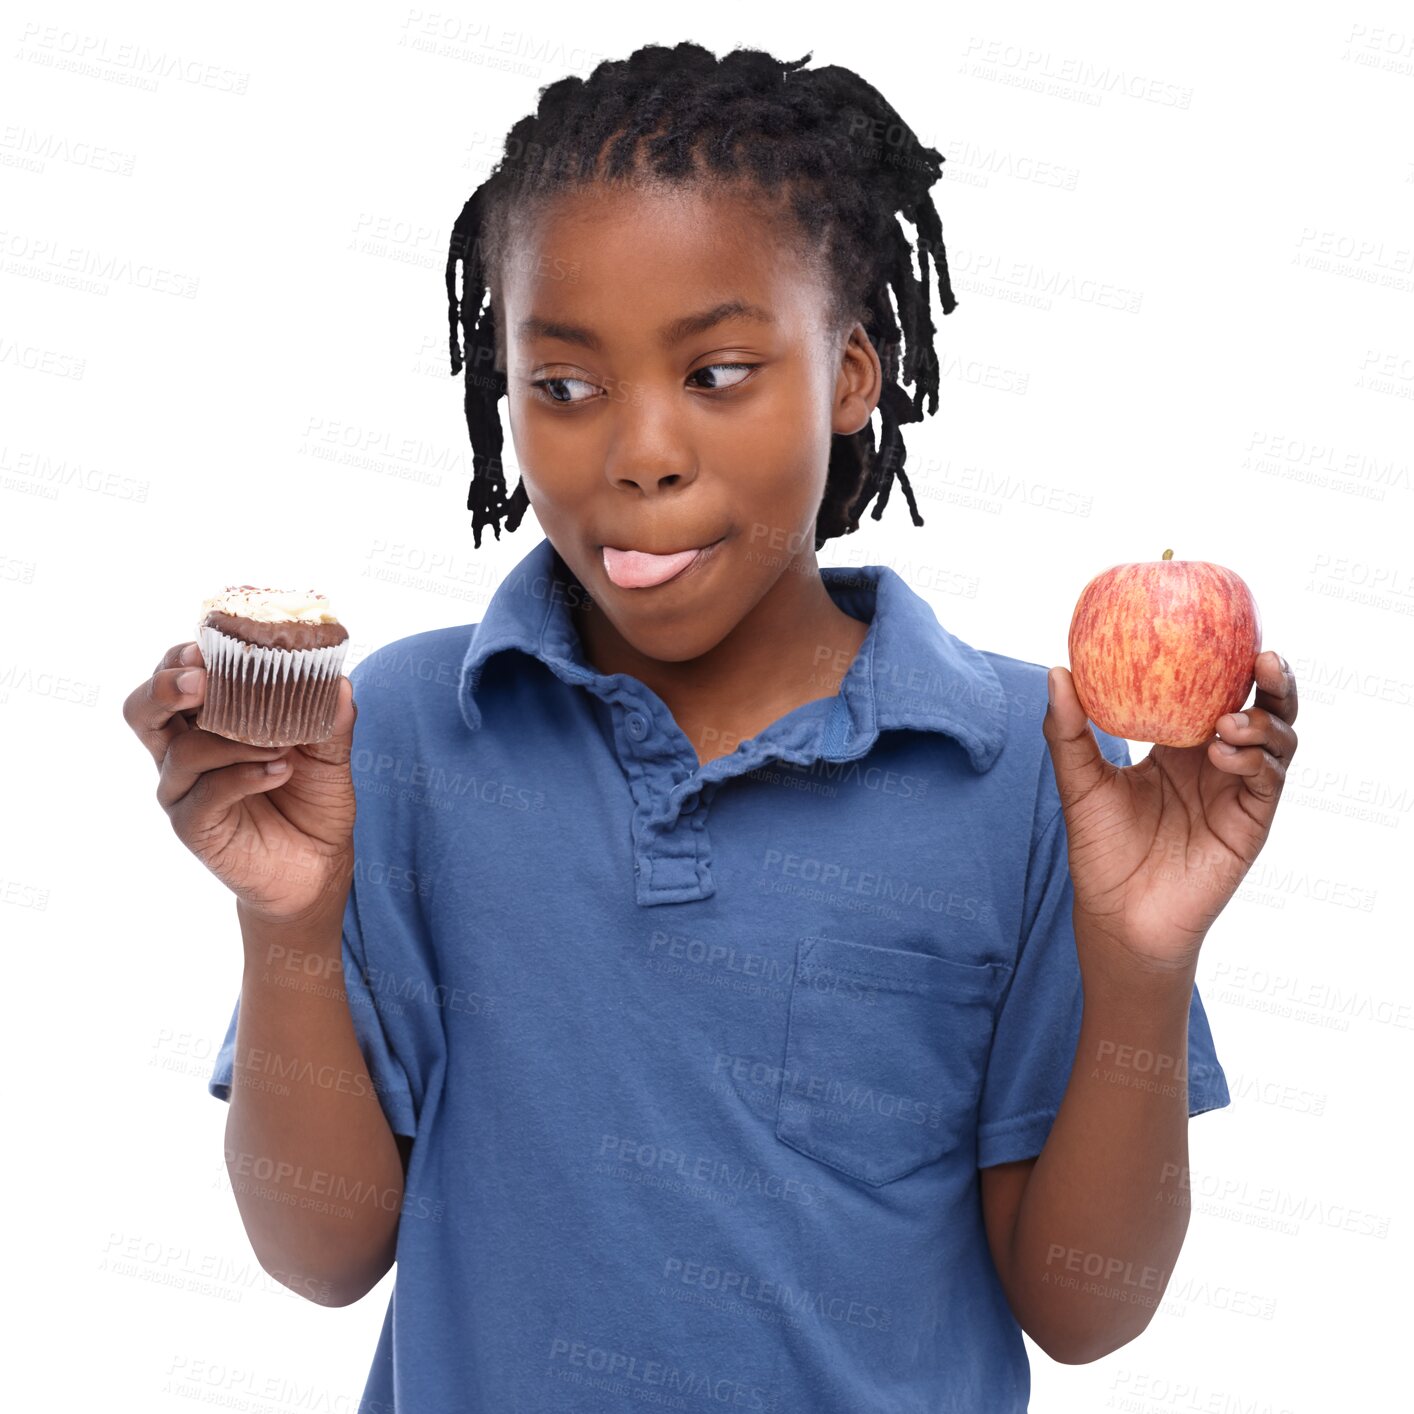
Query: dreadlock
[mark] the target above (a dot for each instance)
(822, 144)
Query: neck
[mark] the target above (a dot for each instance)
(793, 647)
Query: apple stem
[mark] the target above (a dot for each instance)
(1168, 554)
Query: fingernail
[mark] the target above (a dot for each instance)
(188, 682)
(1285, 666)
(1226, 747)
(1239, 719)
(190, 654)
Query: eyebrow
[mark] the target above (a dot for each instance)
(673, 332)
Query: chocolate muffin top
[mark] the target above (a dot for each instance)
(273, 618)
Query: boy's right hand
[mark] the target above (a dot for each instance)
(282, 843)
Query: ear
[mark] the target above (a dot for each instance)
(859, 384)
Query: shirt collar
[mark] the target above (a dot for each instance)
(910, 672)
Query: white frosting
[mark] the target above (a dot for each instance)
(270, 606)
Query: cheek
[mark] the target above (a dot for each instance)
(788, 468)
(790, 443)
(551, 461)
(792, 491)
(776, 515)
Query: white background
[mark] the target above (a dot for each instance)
(1181, 241)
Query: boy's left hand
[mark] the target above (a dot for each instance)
(1158, 848)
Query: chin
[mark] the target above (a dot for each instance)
(673, 640)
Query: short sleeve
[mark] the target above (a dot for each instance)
(1038, 1020)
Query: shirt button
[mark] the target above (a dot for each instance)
(637, 725)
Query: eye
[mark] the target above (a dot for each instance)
(546, 388)
(550, 397)
(707, 368)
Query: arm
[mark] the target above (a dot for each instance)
(1085, 1236)
(306, 1137)
(1155, 852)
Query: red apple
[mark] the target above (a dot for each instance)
(1161, 649)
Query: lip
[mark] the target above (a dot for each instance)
(703, 555)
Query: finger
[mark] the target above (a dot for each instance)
(214, 793)
(184, 654)
(336, 748)
(1257, 727)
(314, 764)
(198, 753)
(1263, 775)
(1276, 686)
(1075, 752)
(157, 710)
(346, 714)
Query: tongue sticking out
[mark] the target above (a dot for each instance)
(634, 569)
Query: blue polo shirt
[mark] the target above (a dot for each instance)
(702, 1061)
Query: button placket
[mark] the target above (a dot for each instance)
(667, 854)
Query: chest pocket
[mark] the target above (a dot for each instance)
(885, 1055)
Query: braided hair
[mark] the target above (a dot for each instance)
(821, 148)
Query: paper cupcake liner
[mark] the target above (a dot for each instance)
(269, 696)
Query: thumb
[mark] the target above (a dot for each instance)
(336, 749)
(1075, 753)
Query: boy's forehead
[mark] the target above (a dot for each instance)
(636, 260)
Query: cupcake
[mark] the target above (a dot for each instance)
(272, 665)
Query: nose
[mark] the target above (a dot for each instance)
(649, 481)
(648, 456)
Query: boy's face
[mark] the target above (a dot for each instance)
(645, 442)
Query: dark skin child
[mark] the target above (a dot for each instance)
(720, 435)
(651, 443)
